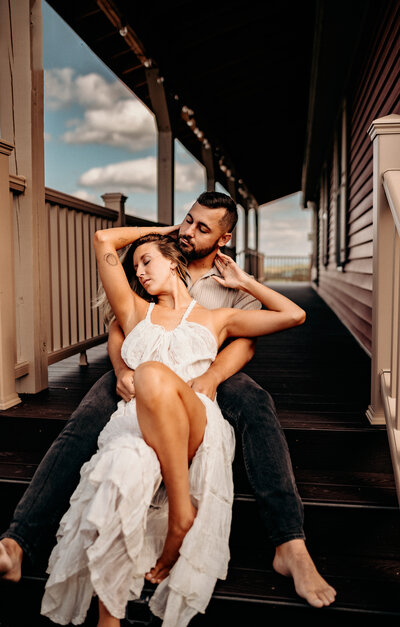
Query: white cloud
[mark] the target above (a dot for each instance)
(128, 124)
(112, 115)
(139, 175)
(91, 91)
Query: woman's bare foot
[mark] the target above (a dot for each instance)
(11, 556)
(292, 559)
(173, 542)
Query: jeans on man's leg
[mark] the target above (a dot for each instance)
(37, 515)
(251, 411)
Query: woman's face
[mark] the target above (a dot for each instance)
(153, 270)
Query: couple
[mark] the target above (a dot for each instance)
(184, 336)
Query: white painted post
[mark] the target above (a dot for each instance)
(21, 121)
(385, 135)
(8, 394)
(116, 201)
(166, 148)
(208, 160)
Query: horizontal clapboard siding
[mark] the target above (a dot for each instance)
(376, 93)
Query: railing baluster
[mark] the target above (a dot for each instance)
(55, 343)
(86, 270)
(80, 243)
(64, 276)
(72, 263)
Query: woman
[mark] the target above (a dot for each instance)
(155, 500)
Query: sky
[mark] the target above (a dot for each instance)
(100, 138)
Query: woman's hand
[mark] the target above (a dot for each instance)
(231, 275)
(125, 384)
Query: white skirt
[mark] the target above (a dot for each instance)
(115, 528)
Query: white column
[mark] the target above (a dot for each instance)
(208, 160)
(166, 147)
(21, 122)
(385, 135)
(116, 201)
(8, 394)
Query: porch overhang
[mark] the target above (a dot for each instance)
(237, 71)
(343, 32)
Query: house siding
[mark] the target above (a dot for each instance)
(374, 93)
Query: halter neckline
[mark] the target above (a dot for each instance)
(185, 315)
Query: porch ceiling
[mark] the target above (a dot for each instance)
(242, 67)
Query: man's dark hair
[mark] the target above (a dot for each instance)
(218, 200)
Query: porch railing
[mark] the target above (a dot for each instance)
(287, 268)
(74, 324)
(385, 361)
(390, 379)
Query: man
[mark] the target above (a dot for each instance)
(248, 407)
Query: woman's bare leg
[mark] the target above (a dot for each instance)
(172, 419)
(105, 618)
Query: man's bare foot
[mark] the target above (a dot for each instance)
(11, 556)
(292, 559)
(173, 542)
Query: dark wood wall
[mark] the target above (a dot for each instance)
(373, 92)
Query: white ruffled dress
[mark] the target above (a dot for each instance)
(116, 525)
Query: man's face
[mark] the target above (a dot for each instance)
(201, 232)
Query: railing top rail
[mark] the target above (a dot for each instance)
(391, 184)
(72, 202)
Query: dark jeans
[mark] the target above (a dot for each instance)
(244, 404)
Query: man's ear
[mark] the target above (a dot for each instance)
(224, 239)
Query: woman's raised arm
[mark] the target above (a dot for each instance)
(122, 299)
(281, 313)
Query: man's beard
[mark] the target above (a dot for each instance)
(192, 254)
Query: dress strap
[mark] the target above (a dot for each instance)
(189, 309)
(149, 310)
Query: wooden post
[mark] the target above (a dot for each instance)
(8, 394)
(233, 194)
(208, 160)
(312, 206)
(21, 121)
(166, 147)
(256, 226)
(247, 255)
(385, 135)
(116, 201)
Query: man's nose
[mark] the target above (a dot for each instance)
(189, 231)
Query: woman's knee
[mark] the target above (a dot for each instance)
(151, 379)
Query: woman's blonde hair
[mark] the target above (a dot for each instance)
(168, 248)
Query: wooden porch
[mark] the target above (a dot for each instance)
(319, 377)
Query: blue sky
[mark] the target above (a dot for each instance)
(99, 138)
